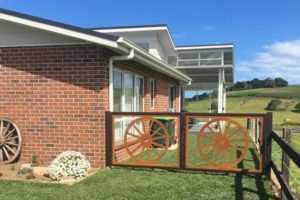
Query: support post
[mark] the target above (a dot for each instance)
(220, 90)
(183, 131)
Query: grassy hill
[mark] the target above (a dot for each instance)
(255, 101)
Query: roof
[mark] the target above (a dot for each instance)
(115, 43)
(58, 24)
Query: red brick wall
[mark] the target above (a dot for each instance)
(57, 95)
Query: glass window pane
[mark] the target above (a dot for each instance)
(128, 92)
(228, 58)
(210, 62)
(139, 94)
(212, 55)
(187, 56)
(117, 87)
(171, 98)
(152, 92)
(188, 63)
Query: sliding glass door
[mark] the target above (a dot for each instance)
(128, 93)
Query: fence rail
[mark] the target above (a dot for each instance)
(288, 153)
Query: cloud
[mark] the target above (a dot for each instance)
(279, 59)
(208, 28)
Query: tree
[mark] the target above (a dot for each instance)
(297, 107)
(280, 82)
(273, 104)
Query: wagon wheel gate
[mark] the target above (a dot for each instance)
(223, 142)
(10, 141)
(147, 148)
(188, 141)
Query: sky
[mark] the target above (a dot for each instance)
(265, 33)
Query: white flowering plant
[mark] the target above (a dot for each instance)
(68, 165)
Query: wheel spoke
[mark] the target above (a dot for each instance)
(12, 144)
(232, 133)
(142, 152)
(9, 133)
(160, 137)
(135, 149)
(157, 144)
(156, 152)
(219, 127)
(10, 149)
(211, 130)
(148, 153)
(6, 153)
(150, 126)
(224, 158)
(236, 140)
(205, 135)
(156, 131)
(208, 154)
(133, 135)
(227, 129)
(12, 138)
(138, 130)
(205, 145)
(144, 126)
(217, 156)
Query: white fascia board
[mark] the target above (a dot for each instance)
(205, 47)
(59, 30)
(134, 29)
(155, 63)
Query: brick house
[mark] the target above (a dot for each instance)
(57, 81)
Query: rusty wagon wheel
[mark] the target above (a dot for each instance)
(142, 142)
(10, 141)
(223, 142)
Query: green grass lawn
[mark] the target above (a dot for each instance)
(119, 183)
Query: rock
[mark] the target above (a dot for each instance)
(40, 171)
(30, 176)
(1, 174)
(25, 169)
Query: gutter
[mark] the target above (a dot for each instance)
(154, 63)
(130, 56)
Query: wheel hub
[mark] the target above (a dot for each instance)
(146, 140)
(222, 143)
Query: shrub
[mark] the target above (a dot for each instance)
(68, 165)
(214, 106)
(297, 107)
(273, 104)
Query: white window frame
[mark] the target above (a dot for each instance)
(152, 93)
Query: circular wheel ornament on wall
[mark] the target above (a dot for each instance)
(146, 140)
(223, 142)
(10, 141)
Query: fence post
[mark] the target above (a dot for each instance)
(268, 144)
(285, 158)
(182, 139)
(108, 138)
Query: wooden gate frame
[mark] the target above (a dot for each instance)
(265, 155)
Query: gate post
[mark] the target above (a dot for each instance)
(182, 139)
(267, 148)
